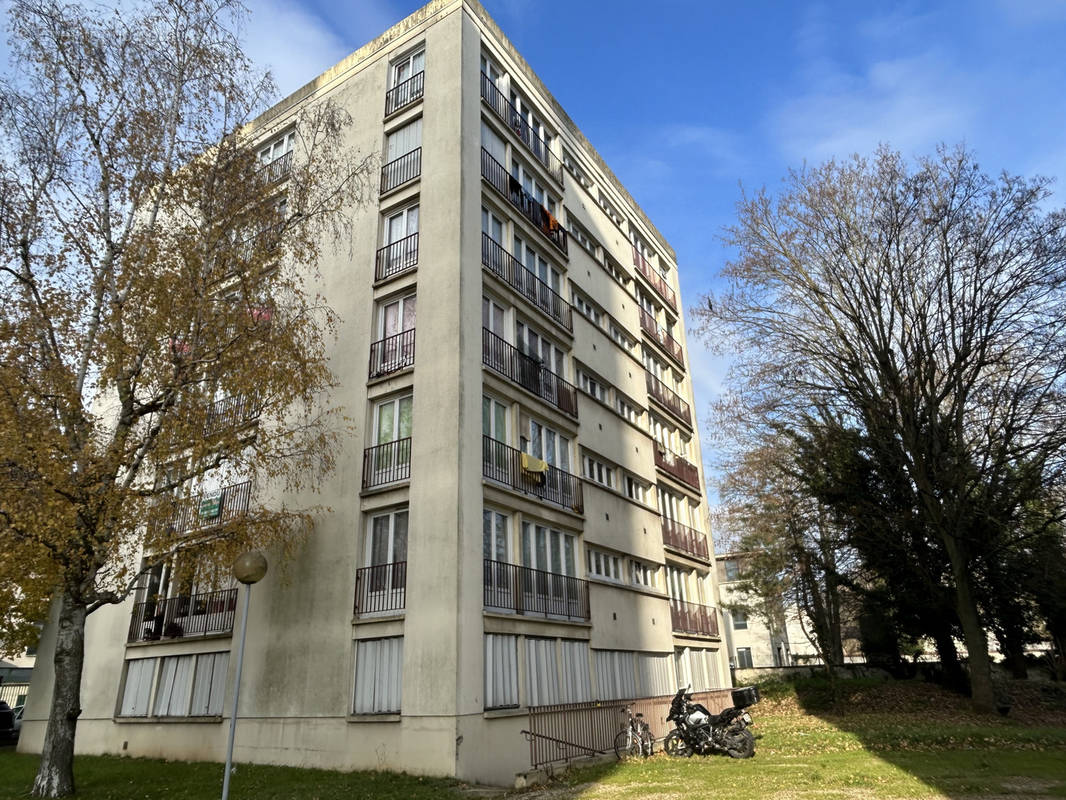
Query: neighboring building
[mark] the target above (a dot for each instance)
(523, 521)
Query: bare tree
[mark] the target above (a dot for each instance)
(156, 327)
(923, 306)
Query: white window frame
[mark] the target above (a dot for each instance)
(604, 565)
(597, 472)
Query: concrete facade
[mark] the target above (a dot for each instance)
(435, 672)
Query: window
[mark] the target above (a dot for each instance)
(493, 144)
(547, 444)
(386, 543)
(629, 410)
(394, 348)
(501, 671)
(610, 211)
(493, 72)
(277, 148)
(547, 549)
(536, 345)
(646, 575)
(542, 672)
(732, 569)
(405, 80)
(598, 471)
(137, 688)
(744, 658)
(740, 620)
(401, 251)
(494, 419)
(536, 264)
(403, 140)
(492, 225)
(532, 186)
(495, 526)
(189, 685)
(175, 687)
(585, 307)
(615, 271)
(636, 490)
(577, 683)
(492, 316)
(656, 674)
(532, 133)
(571, 165)
(378, 676)
(403, 156)
(592, 385)
(697, 667)
(621, 339)
(604, 565)
(583, 237)
(392, 432)
(616, 675)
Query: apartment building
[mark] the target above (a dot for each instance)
(521, 520)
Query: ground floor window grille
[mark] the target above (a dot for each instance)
(656, 676)
(616, 676)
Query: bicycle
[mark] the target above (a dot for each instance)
(635, 738)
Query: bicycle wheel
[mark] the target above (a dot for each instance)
(647, 741)
(626, 745)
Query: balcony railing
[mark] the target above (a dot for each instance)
(659, 334)
(506, 465)
(527, 372)
(381, 588)
(208, 509)
(672, 402)
(403, 93)
(513, 272)
(183, 617)
(693, 618)
(509, 587)
(506, 111)
(654, 278)
(679, 467)
(387, 463)
(507, 185)
(229, 412)
(684, 539)
(392, 353)
(401, 170)
(277, 169)
(400, 256)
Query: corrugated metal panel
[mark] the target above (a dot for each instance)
(175, 687)
(656, 674)
(616, 677)
(542, 672)
(136, 695)
(378, 676)
(501, 670)
(712, 669)
(209, 684)
(681, 665)
(576, 677)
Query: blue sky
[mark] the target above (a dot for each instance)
(690, 101)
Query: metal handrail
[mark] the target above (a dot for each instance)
(183, 617)
(656, 280)
(693, 618)
(525, 282)
(401, 170)
(507, 185)
(651, 326)
(684, 539)
(208, 509)
(404, 93)
(396, 257)
(503, 464)
(528, 372)
(677, 466)
(387, 463)
(506, 111)
(392, 353)
(230, 412)
(526, 591)
(380, 588)
(277, 169)
(670, 399)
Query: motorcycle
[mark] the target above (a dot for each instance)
(697, 730)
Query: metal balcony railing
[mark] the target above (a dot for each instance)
(392, 353)
(668, 398)
(513, 272)
(404, 93)
(514, 120)
(677, 466)
(654, 278)
(693, 618)
(684, 539)
(381, 588)
(183, 617)
(208, 509)
(229, 412)
(504, 464)
(528, 373)
(507, 185)
(400, 256)
(650, 326)
(401, 170)
(387, 463)
(526, 591)
(277, 169)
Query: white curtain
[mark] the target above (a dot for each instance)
(501, 670)
(378, 676)
(404, 140)
(138, 687)
(542, 673)
(175, 687)
(209, 684)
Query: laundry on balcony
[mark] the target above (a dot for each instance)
(534, 467)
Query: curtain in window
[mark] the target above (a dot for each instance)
(542, 673)
(404, 140)
(501, 670)
(209, 684)
(175, 687)
(576, 681)
(378, 676)
(138, 687)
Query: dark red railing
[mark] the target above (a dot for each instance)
(400, 256)
(681, 468)
(403, 93)
(208, 509)
(514, 120)
(684, 539)
(507, 185)
(392, 353)
(230, 412)
(183, 617)
(654, 278)
(381, 588)
(526, 591)
(387, 463)
(659, 334)
(503, 464)
(693, 618)
(513, 272)
(527, 372)
(401, 170)
(668, 398)
(277, 169)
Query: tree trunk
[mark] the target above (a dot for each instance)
(973, 634)
(55, 775)
(955, 676)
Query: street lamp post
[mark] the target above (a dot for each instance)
(248, 569)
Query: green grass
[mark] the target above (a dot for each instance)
(112, 778)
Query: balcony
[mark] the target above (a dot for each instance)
(183, 617)
(401, 170)
(514, 273)
(693, 618)
(684, 539)
(392, 353)
(503, 182)
(208, 509)
(506, 111)
(508, 466)
(521, 590)
(387, 463)
(380, 589)
(528, 373)
(655, 279)
(668, 399)
(400, 256)
(278, 169)
(230, 412)
(403, 94)
(678, 467)
(665, 340)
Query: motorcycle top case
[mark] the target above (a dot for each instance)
(748, 696)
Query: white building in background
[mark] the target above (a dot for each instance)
(523, 520)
